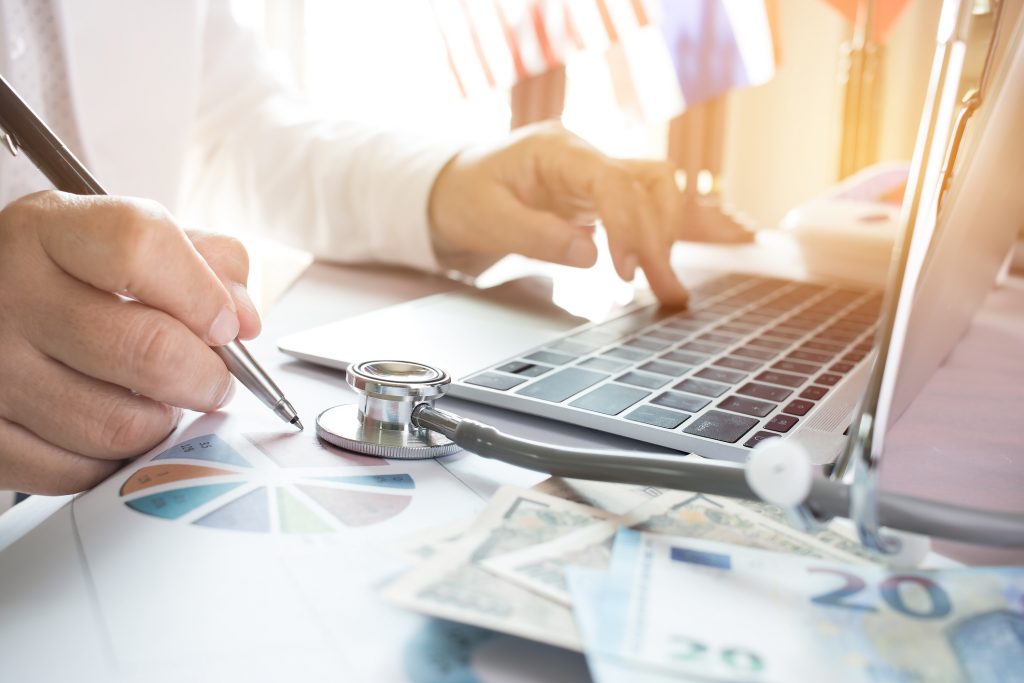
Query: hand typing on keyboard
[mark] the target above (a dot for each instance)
(539, 194)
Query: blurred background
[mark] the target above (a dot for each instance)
(450, 66)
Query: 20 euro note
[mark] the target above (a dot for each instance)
(726, 612)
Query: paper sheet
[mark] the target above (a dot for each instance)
(241, 550)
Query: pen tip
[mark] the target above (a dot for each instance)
(297, 422)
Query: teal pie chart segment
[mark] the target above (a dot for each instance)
(208, 447)
(174, 504)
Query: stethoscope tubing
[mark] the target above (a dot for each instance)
(827, 498)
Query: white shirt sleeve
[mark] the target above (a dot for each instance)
(345, 191)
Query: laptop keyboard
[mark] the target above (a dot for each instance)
(747, 361)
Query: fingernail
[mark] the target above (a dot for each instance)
(241, 294)
(580, 253)
(224, 327)
(629, 266)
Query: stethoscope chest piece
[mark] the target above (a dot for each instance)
(380, 424)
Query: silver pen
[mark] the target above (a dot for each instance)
(21, 129)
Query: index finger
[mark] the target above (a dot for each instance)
(626, 208)
(133, 247)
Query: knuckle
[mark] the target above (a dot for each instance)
(152, 347)
(129, 429)
(231, 254)
(137, 226)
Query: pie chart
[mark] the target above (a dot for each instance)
(285, 483)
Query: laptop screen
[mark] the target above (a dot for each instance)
(948, 259)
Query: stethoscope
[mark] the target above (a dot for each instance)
(395, 418)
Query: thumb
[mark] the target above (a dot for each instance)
(542, 235)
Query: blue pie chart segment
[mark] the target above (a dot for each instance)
(209, 447)
(250, 512)
(174, 504)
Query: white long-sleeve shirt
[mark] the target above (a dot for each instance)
(171, 100)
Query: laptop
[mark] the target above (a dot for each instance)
(752, 357)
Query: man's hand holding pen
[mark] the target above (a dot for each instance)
(90, 377)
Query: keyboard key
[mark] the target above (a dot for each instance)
(628, 353)
(737, 363)
(550, 357)
(786, 333)
(801, 324)
(687, 402)
(798, 407)
(610, 399)
(782, 378)
(747, 406)
(659, 417)
(573, 348)
(715, 338)
(651, 343)
(666, 333)
(781, 423)
(665, 368)
(493, 380)
(840, 368)
(765, 391)
(813, 393)
(759, 437)
(685, 324)
(753, 352)
(793, 366)
(697, 386)
(518, 367)
(632, 322)
(809, 356)
(684, 357)
(827, 347)
(720, 375)
(829, 380)
(854, 357)
(721, 426)
(642, 379)
(701, 347)
(734, 327)
(837, 336)
(604, 364)
(563, 384)
(768, 343)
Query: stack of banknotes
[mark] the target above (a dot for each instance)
(668, 586)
